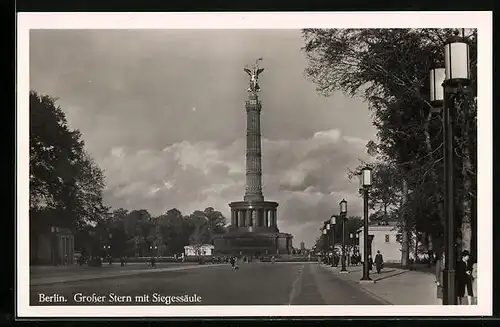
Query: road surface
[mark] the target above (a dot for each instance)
(252, 284)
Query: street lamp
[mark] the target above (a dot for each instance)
(351, 247)
(456, 82)
(343, 214)
(107, 249)
(325, 235)
(436, 78)
(365, 183)
(329, 242)
(155, 248)
(333, 222)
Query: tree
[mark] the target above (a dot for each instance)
(175, 230)
(138, 226)
(65, 183)
(201, 233)
(320, 243)
(216, 221)
(389, 69)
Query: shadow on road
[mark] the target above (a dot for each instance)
(387, 276)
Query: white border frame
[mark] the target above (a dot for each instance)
(476, 19)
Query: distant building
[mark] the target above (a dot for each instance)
(205, 249)
(382, 238)
(302, 246)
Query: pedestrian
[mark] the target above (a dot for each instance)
(153, 262)
(370, 262)
(379, 262)
(430, 255)
(232, 261)
(464, 278)
(439, 276)
(474, 283)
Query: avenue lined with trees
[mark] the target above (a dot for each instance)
(389, 70)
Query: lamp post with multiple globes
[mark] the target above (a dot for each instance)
(365, 183)
(343, 217)
(446, 85)
(325, 243)
(333, 222)
(329, 242)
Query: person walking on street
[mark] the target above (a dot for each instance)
(153, 262)
(474, 283)
(379, 262)
(370, 262)
(464, 278)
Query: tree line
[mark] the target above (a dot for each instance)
(389, 70)
(138, 233)
(66, 190)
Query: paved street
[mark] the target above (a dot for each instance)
(252, 284)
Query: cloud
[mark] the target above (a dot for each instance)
(162, 111)
(307, 177)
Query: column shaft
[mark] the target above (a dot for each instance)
(241, 218)
(253, 189)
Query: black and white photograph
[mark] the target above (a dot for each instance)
(254, 164)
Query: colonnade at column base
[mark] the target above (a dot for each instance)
(254, 216)
(253, 244)
(253, 231)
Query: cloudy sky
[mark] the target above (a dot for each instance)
(162, 112)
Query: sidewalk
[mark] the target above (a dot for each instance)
(68, 274)
(51, 270)
(394, 285)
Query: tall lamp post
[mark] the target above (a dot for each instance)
(446, 84)
(351, 248)
(343, 217)
(333, 222)
(107, 249)
(329, 238)
(155, 248)
(365, 183)
(325, 242)
(356, 247)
